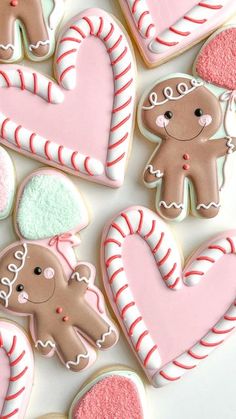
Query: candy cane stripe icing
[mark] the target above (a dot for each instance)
(121, 58)
(149, 227)
(23, 138)
(199, 15)
(194, 273)
(203, 263)
(142, 17)
(18, 350)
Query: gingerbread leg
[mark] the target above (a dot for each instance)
(36, 30)
(206, 193)
(71, 349)
(171, 203)
(7, 46)
(95, 328)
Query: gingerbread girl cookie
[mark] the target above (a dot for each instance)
(184, 114)
(34, 283)
(36, 20)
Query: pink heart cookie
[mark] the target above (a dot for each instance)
(163, 30)
(85, 127)
(17, 367)
(169, 332)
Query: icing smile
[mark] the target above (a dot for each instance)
(43, 301)
(185, 139)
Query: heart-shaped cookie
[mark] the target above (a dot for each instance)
(17, 367)
(163, 30)
(169, 332)
(85, 127)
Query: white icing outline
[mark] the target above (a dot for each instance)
(55, 15)
(182, 88)
(19, 255)
(103, 337)
(79, 357)
(38, 44)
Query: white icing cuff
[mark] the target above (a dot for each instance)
(8, 46)
(79, 357)
(229, 144)
(39, 43)
(171, 204)
(45, 344)
(99, 342)
(79, 278)
(207, 206)
(156, 172)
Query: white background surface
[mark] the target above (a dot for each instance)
(209, 391)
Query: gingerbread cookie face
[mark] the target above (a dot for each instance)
(29, 22)
(183, 115)
(138, 251)
(164, 30)
(63, 318)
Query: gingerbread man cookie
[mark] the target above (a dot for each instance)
(34, 283)
(182, 115)
(36, 21)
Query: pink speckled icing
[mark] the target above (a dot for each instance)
(114, 397)
(216, 62)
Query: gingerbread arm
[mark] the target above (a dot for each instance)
(154, 170)
(223, 146)
(80, 278)
(43, 340)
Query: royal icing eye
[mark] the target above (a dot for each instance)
(37, 270)
(198, 112)
(168, 114)
(19, 288)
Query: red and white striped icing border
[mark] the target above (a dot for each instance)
(145, 223)
(124, 73)
(18, 350)
(193, 20)
(24, 139)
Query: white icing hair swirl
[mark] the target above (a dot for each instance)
(12, 267)
(182, 88)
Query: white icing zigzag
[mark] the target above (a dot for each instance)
(230, 145)
(8, 46)
(79, 357)
(45, 344)
(207, 206)
(157, 172)
(78, 278)
(171, 204)
(103, 338)
(39, 43)
(182, 89)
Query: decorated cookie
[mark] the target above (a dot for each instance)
(216, 64)
(41, 278)
(29, 22)
(17, 369)
(184, 116)
(7, 184)
(163, 30)
(53, 124)
(139, 251)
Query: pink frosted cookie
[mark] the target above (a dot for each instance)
(40, 276)
(28, 26)
(139, 251)
(216, 64)
(164, 29)
(84, 126)
(17, 369)
(112, 394)
(7, 184)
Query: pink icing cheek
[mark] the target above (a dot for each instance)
(23, 297)
(161, 121)
(49, 273)
(205, 120)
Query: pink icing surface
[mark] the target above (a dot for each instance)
(216, 62)
(4, 376)
(113, 397)
(82, 122)
(5, 182)
(165, 14)
(177, 319)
